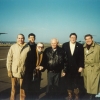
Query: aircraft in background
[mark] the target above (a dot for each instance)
(3, 33)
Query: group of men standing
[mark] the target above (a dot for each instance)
(26, 61)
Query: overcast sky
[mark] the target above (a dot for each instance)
(49, 19)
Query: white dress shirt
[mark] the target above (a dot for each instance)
(72, 47)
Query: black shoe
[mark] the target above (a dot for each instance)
(92, 97)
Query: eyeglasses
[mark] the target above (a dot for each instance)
(40, 47)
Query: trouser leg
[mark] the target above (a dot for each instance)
(73, 85)
(91, 97)
(13, 88)
(57, 84)
(50, 81)
(76, 86)
(70, 95)
(76, 93)
(22, 90)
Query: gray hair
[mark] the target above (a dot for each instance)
(21, 35)
(40, 43)
(55, 40)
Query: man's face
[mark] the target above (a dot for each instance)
(20, 39)
(54, 44)
(40, 47)
(31, 39)
(88, 40)
(73, 39)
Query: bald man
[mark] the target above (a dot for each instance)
(54, 63)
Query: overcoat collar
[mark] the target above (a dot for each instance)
(93, 44)
(91, 50)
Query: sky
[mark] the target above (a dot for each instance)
(49, 19)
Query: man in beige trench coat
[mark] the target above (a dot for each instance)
(92, 66)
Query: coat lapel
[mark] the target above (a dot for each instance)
(88, 52)
(76, 48)
(91, 50)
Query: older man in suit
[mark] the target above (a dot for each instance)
(75, 63)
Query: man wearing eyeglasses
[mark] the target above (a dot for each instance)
(37, 70)
(74, 67)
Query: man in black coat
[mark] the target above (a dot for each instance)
(75, 63)
(32, 55)
(31, 65)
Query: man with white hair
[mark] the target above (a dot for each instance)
(53, 61)
(37, 71)
(33, 72)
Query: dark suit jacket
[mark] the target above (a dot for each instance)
(77, 59)
(31, 61)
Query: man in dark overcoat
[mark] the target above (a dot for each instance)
(75, 63)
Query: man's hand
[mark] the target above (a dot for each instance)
(9, 74)
(80, 69)
(40, 67)
(63, 74)
(37, 67)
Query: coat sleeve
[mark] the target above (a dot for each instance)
(9, 59)
(81, 56)
(65, 59)
(44, 61)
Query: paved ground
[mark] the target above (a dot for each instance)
(5, 84)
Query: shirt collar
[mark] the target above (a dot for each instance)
(72, 43)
